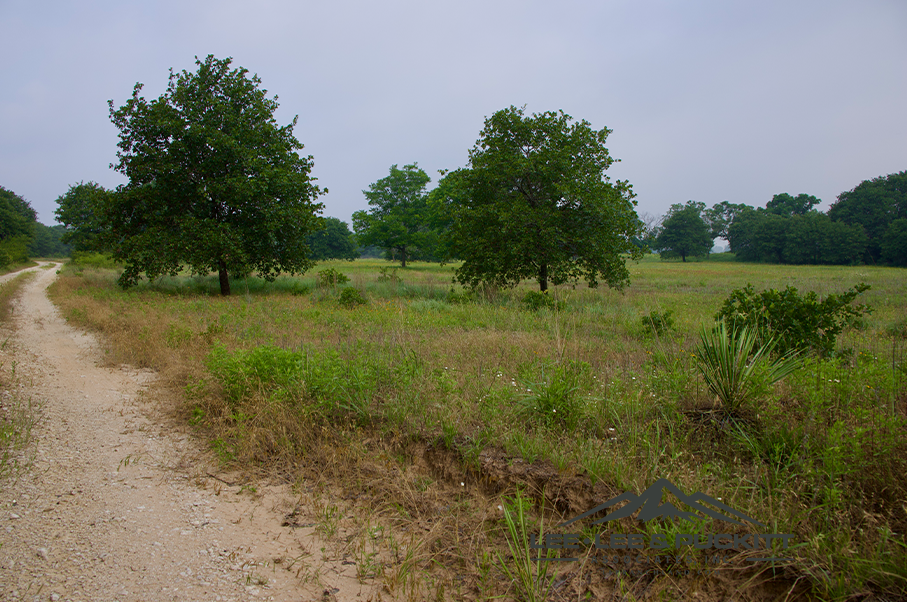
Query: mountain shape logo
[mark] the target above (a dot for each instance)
(649, 501)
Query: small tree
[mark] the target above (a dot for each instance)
(535, 203)
(214, 182)
(684, 232)
(398, 219)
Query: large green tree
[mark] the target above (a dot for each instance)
(684, 232)
(334, 241)
(398, 220)
(81, 210)
(873, 204)
(535, 203)
(214, 182)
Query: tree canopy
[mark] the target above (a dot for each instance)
(17, 227)
(398, 220)
(873, 204)
(81, 211)
(684, 232)
(334, 241)
(214, 181)
(535, 203)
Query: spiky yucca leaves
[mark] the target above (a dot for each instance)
(733, 367)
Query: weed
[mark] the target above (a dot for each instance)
(657, 323)
(331, 278)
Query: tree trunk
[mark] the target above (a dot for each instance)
(683, 256)
(543, 277)
(403, 257)
(224, 278)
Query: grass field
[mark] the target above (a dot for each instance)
(437, 406)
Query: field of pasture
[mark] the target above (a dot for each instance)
(446, 412)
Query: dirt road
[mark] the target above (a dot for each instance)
(115, 505)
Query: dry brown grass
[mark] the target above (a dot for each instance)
(448, 400)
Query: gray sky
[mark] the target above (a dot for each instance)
(711, 100)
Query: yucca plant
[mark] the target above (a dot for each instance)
(733, 367)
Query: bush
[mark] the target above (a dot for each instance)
(350, 298)
(536, 300)
(795, 322)
(94, 260)
(331, 278)
(658, 323)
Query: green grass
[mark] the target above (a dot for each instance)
(583, 390)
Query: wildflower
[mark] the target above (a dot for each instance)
(462, 484)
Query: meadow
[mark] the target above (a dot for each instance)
(475, 418)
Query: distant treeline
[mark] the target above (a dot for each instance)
(867, 224)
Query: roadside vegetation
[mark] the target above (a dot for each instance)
(17, 411)
(463, 420)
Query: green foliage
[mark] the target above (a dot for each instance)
(14, 249)
(398, 220)
(94, 260)
(528, 571)
(536, 300)
(386, 274)
(786, 205)
(351, 297)
(535, 203)
(684, 232)
(894, 243)
(733, 366)
(555, 400)
(81, 211)
(796, 322)
(17, 218)
(48, 242)
(811, 238)
(657, 323)
(873, 205)
(214, 182)
(330, 277)
(334, 241)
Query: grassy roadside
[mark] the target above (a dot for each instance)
(434, 405)
(17, 412)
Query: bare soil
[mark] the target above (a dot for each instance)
(119, 503)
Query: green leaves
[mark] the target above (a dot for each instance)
(732, 366)
(535, 203)
(796, 322)
(214, 182)
(399, 217)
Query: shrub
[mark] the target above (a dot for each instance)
(658, 323)
(536, 300)
(331, 277)
(94, 260)
(350, 298)
(795, 322)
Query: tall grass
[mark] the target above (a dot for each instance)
(281, 372)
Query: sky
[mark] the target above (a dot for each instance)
(707, 100)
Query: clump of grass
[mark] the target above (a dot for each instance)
(657, 323)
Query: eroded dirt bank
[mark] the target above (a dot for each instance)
(117, 506)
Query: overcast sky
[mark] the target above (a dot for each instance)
(711, 100)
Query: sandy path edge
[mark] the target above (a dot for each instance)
(113, 507)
